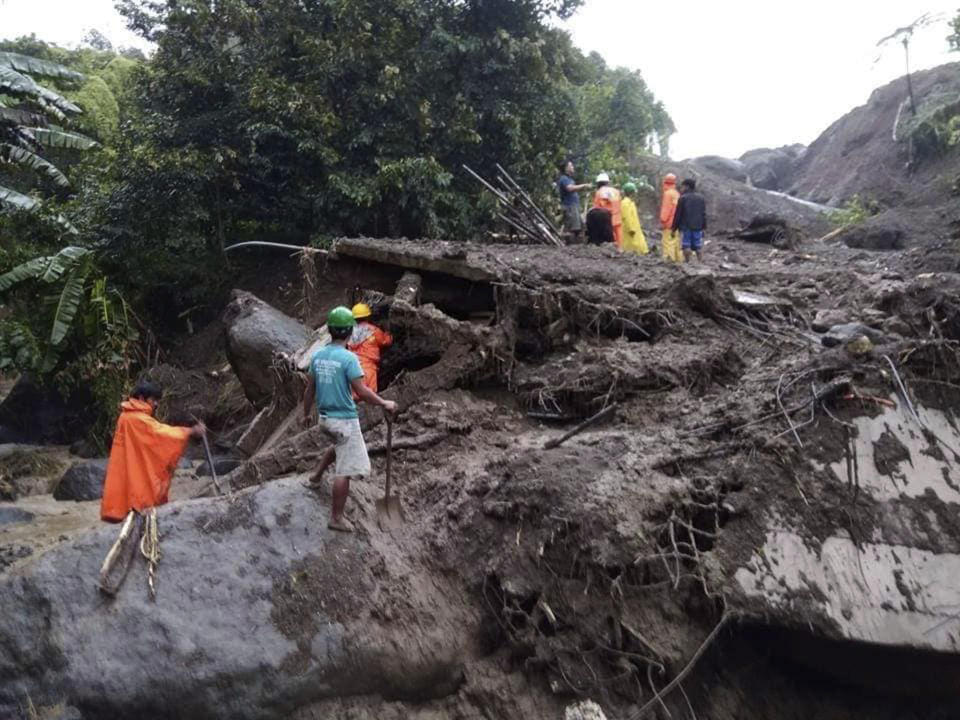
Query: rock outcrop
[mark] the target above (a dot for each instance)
(255, 331)
(772, 168)
(260, 610)
(82, 481)
(724, 167)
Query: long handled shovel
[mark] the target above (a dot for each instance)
(213, 470)
(389, 509)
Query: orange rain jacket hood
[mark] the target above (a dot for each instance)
(142, 460)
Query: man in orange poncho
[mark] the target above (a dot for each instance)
(143, 457)
(608, 197)
(670, 242)
(366, 342)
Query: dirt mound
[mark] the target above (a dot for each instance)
(858, 155)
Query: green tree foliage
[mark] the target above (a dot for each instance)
(619, 118)
(301, 119)
(102, 111)
(954, 37)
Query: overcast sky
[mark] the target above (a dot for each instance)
(742, 74)
(734, 75)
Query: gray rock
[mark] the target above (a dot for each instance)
(730, 169)
(898, 326)
(10, 515)
(841, 334)
(874, 236)
(826, 319)
(255, 331)
(260, 610)
(221, 465)
(772, 168)
(83, 481)
(84, 448)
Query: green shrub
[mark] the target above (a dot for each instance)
(855, 211)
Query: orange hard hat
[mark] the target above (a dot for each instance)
(669, 178)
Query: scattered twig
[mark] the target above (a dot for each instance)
(784, 411)
(658, 698)
(550, 444)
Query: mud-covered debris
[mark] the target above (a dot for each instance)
(749, 299)
(843, 334)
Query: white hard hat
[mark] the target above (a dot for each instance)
(603, 177)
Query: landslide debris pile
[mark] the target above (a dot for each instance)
(765, 526)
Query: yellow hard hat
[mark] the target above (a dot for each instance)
(361, 310)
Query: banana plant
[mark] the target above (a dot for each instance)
(72, 265)
(25, 130)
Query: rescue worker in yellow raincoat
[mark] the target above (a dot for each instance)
(366, 342)
(670, 244)
(608, 197)
(633, 238)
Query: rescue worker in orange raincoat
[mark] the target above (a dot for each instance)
(670, 243)
(143, 456)
(366, 343)
(608, 197)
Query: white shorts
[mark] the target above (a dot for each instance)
(352, 458)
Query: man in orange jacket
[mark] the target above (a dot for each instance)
(608, 197)
(143, 456)
(670, 242)
(366, 343)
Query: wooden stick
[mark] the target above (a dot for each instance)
(550, 444)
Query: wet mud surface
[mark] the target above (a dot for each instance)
(748, 475)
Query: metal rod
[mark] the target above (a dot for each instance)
(527, 198)
(262, 243)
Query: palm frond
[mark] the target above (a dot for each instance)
(12, 200)
(13, 155)
(70, 298)
(46, 268)
(56, 138)
(20, 85)
(36, 66)
(19, 116)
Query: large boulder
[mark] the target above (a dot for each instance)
(772, 168)
(725, 167)
(260, 610)
(255, 332)
(83, 481)
(875, 234)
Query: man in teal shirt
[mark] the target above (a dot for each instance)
(334, 372)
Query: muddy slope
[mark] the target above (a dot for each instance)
(857, 155)
(762, 527)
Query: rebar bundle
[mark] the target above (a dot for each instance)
(518, 210)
